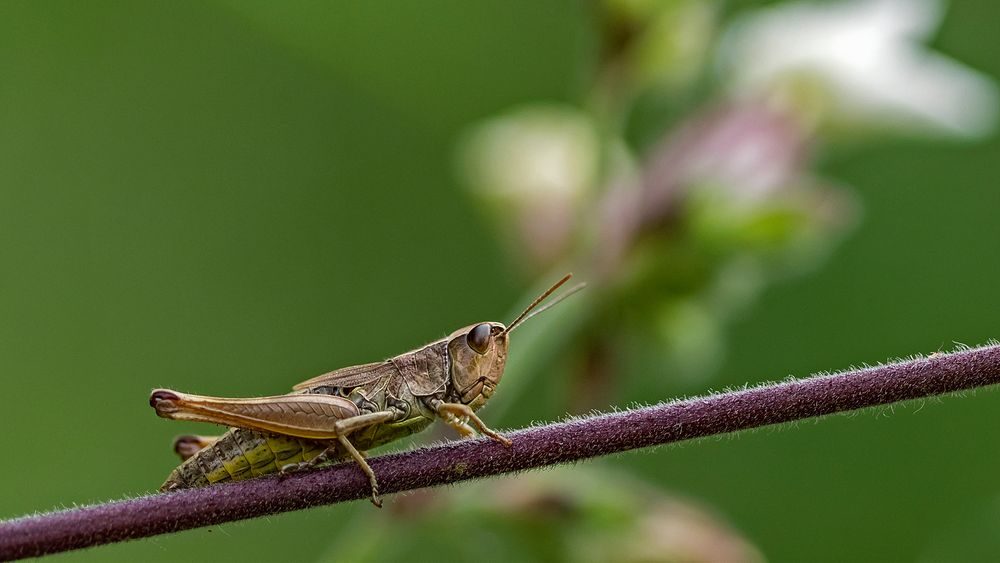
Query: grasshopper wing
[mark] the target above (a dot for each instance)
(350, 376)
(303, 416)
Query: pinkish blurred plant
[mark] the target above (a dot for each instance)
(678, 234)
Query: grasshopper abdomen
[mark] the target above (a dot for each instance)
(241, 454)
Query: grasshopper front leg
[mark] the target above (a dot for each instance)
(458, 416)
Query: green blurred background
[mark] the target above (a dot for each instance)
(228, 198)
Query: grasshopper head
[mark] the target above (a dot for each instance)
(479, 352)
(478, 355)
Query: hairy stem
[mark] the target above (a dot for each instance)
(533, 447)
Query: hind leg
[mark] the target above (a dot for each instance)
(189, 444)
(343, 429)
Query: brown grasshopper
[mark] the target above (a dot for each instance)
(342, 413)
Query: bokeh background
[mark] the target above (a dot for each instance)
(230, 197)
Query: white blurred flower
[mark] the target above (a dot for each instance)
(860, 63)
(534, 166)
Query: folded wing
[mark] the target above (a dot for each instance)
(312, 416)
(350, 376)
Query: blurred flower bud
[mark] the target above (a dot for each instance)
(691, 340)
(534, 168)
(857, 64)
(666, 42)
(748, 150)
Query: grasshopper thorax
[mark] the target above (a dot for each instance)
(478, 355)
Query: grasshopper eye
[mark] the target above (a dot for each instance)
(479, 338)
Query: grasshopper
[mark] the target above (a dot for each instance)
(339, 414)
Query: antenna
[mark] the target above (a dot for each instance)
(524, 316)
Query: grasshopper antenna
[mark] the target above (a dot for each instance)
(524, 316)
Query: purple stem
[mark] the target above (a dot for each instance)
(471, 459)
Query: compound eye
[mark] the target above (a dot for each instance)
(479, 338)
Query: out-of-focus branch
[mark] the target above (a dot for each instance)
(533, 447)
